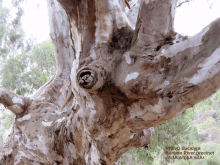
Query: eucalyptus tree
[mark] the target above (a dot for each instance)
(121, 70)
(25, 73)
(12, 44)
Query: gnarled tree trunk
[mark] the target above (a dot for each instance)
(121, 70)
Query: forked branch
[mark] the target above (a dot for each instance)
(177, 77)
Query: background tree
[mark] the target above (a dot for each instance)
(13, 44)
(125, 72)
(25, 73)
(11, 40)
(23, 69)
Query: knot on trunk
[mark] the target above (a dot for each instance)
(90, 78)
(87, 78)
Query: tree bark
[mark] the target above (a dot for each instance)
(121, 70)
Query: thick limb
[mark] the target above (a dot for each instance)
(154, 24)
(58, 89)
(15, 103)
(177, 77)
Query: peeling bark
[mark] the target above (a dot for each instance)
(121, 70)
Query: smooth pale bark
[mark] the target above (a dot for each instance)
(15, 103)
(119, 74)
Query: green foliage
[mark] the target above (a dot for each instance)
(212, 129)
(217, 96)
(218, 122)
(42, 63)
(212, 159)
(3, 28)
(210, 121)
(203, 106)
(194, 136)
(210, 147)
(25, 73)
(12, 38)
(13, 49)
(7, 118)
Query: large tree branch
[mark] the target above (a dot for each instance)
(95, 23)
(121, 144)
(58, 89)
(15, 103)
(177, 77)
(154, 23)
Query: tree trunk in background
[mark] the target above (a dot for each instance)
(121, 70)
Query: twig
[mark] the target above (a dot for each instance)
(126, 2)
(182, 3)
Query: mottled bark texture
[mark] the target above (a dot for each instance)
(121, 70)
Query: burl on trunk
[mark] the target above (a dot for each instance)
(121, 70)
